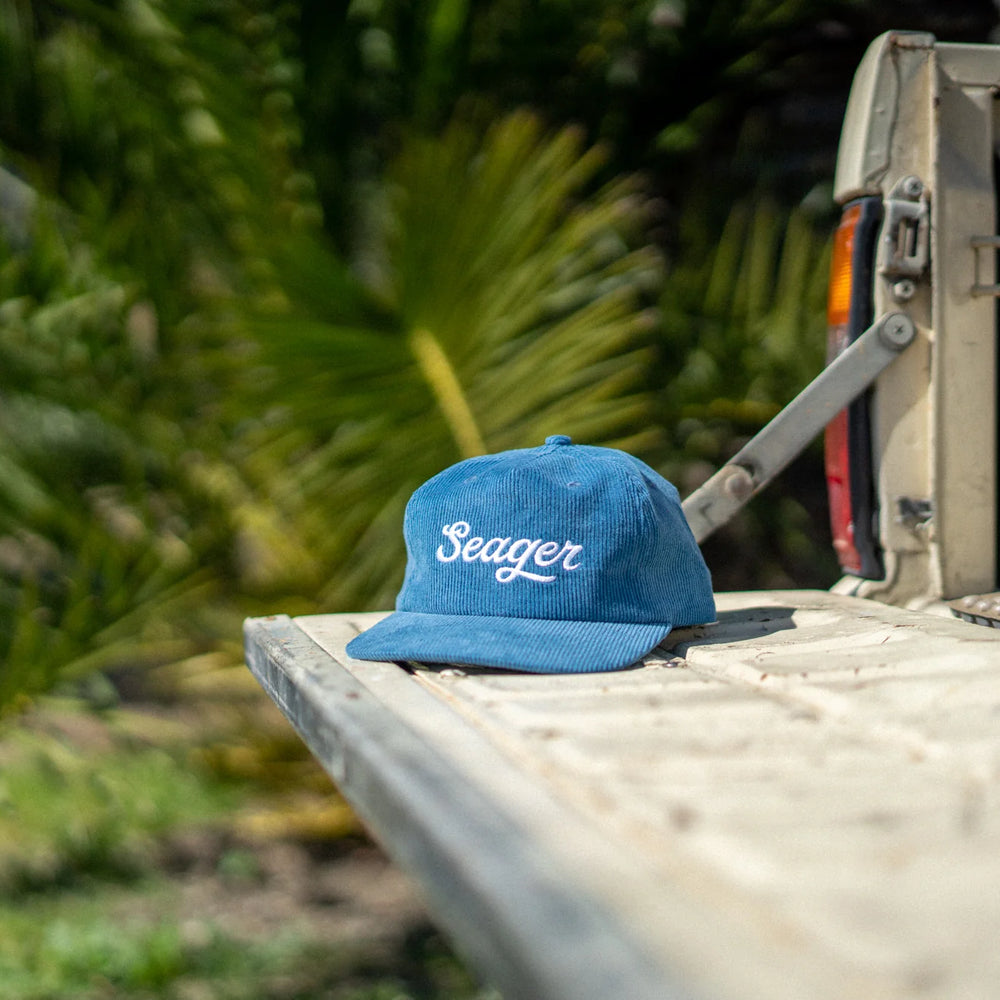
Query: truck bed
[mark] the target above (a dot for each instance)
(800, 801)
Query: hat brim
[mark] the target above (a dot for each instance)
(536, 645)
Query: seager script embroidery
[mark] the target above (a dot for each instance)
(503, 550)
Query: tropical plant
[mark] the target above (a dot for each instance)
(744, 320)
(744, 330)
(493, 296)
(505, 306)
(257, 290)
(667, 84)
(126, 251)
(92, 533)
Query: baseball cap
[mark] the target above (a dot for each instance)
(558, 559)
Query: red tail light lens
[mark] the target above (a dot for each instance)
(849, 477)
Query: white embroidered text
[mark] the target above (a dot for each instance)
(518, 552)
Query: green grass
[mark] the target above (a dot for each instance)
(83, 945)
(64, 820)
(75, 945)
(92, 807)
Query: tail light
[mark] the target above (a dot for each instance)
(849, 474)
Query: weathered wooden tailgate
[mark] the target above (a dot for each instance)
(802, 801)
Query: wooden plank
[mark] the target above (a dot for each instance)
(798, 801)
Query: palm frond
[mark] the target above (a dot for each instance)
(745, 325)
(515, 305)
(744, 328)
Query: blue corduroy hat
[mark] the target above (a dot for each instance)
(559, 559)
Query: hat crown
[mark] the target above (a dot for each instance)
(563, 532)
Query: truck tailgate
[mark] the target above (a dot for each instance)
(802, 800)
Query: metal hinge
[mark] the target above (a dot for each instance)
(906, 232)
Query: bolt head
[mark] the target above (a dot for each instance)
(897, 331)
(739, 484)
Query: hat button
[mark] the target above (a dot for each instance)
(558, 439)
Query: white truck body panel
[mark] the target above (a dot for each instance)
(924, 109)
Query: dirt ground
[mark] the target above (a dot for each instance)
(345, 893)
(295, 855)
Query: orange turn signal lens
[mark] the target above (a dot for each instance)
(838, 302)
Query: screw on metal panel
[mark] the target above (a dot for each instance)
(911, 187)
(904, 289)
(739, 483)
(897, 331)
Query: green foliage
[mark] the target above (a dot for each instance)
(744, 325)
(371, 380)
(269, 267)
(64, 823)
(744, 331)
(103, 836)
(74, 948)
(166, 129)
(157, 146)
(511, 308)
(90, 523)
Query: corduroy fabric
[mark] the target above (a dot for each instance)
(539, 645)
(552, 559)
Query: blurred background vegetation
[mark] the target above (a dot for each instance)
(267, 266)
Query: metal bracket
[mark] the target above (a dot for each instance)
(906, 231)
(784, 438)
